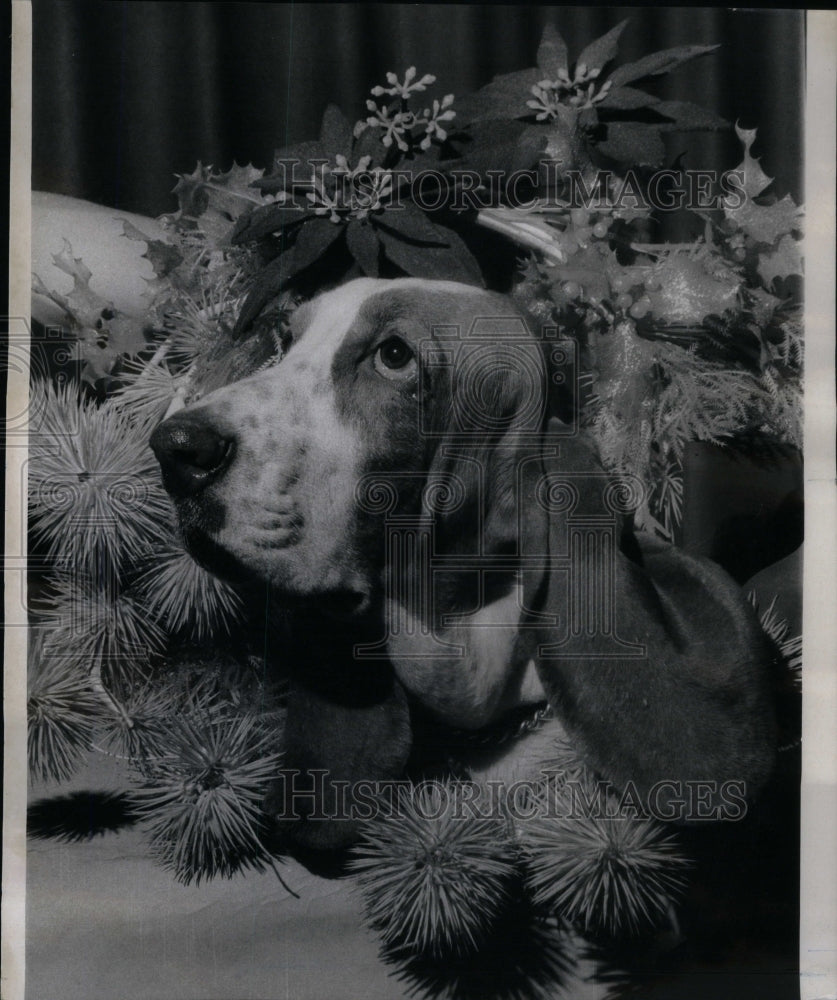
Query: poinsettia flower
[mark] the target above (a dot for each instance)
(578, 111)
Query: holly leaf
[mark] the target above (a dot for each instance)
(336, 132)
(784, 261)
(763, 223)
(599, 52)
(552, 53)
(191, 196)
(658, 63)
(754, 179)
(638, 145)
(103, 333)
(98, 361)
(234, 192)
(688, 117)
(82, 305)
(766, 223)
(627, 99)
(125, 335)
(364, 246)
(453, 262)
(164, 257)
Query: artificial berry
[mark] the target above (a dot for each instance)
(640, 308)
(579, 217)
(624, 301)
(600, 230)
(571, 289)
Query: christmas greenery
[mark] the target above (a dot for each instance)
(434, 878)
(140, 651)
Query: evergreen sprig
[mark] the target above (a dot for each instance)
(96, 498)
(63, 712)
(433, 878)
(612, 874)
(202, 796)
(184, 597)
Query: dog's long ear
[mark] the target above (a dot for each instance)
(347, 728)
(655, 661)
(493, 418)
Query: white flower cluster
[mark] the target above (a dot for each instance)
(399, 123)
(578, 92)
(355, 191)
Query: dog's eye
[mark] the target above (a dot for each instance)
(394, 358)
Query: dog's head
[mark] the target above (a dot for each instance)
(286, 476)
(402, 401)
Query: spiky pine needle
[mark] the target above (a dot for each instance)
(148, 390)
(202, 797)
(95, 491)
(434, 883)
(63, 713)
(778, 629)
(185, 597)
(603, 873)
(108, 630)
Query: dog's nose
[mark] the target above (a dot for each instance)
(191, 454)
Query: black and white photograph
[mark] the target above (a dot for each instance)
(419, 413)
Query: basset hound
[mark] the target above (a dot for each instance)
(437, 544)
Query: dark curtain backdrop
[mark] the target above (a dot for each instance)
(126, 94)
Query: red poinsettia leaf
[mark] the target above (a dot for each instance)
(266, 220)
(638, 145)
(364, 246)
(658, 62)
(557, 140)
(314, 238)
(453, 262)
(598, 53)
(505, 97)
(271, 280)
(552, 53)
(412, 224)
(336, 132)
(503, 145)
(688, 117)
(369, 143)
(627, 99)
(301, 152)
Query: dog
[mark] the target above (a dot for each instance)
(400, 493)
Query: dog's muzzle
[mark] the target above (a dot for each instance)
(191, 454)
